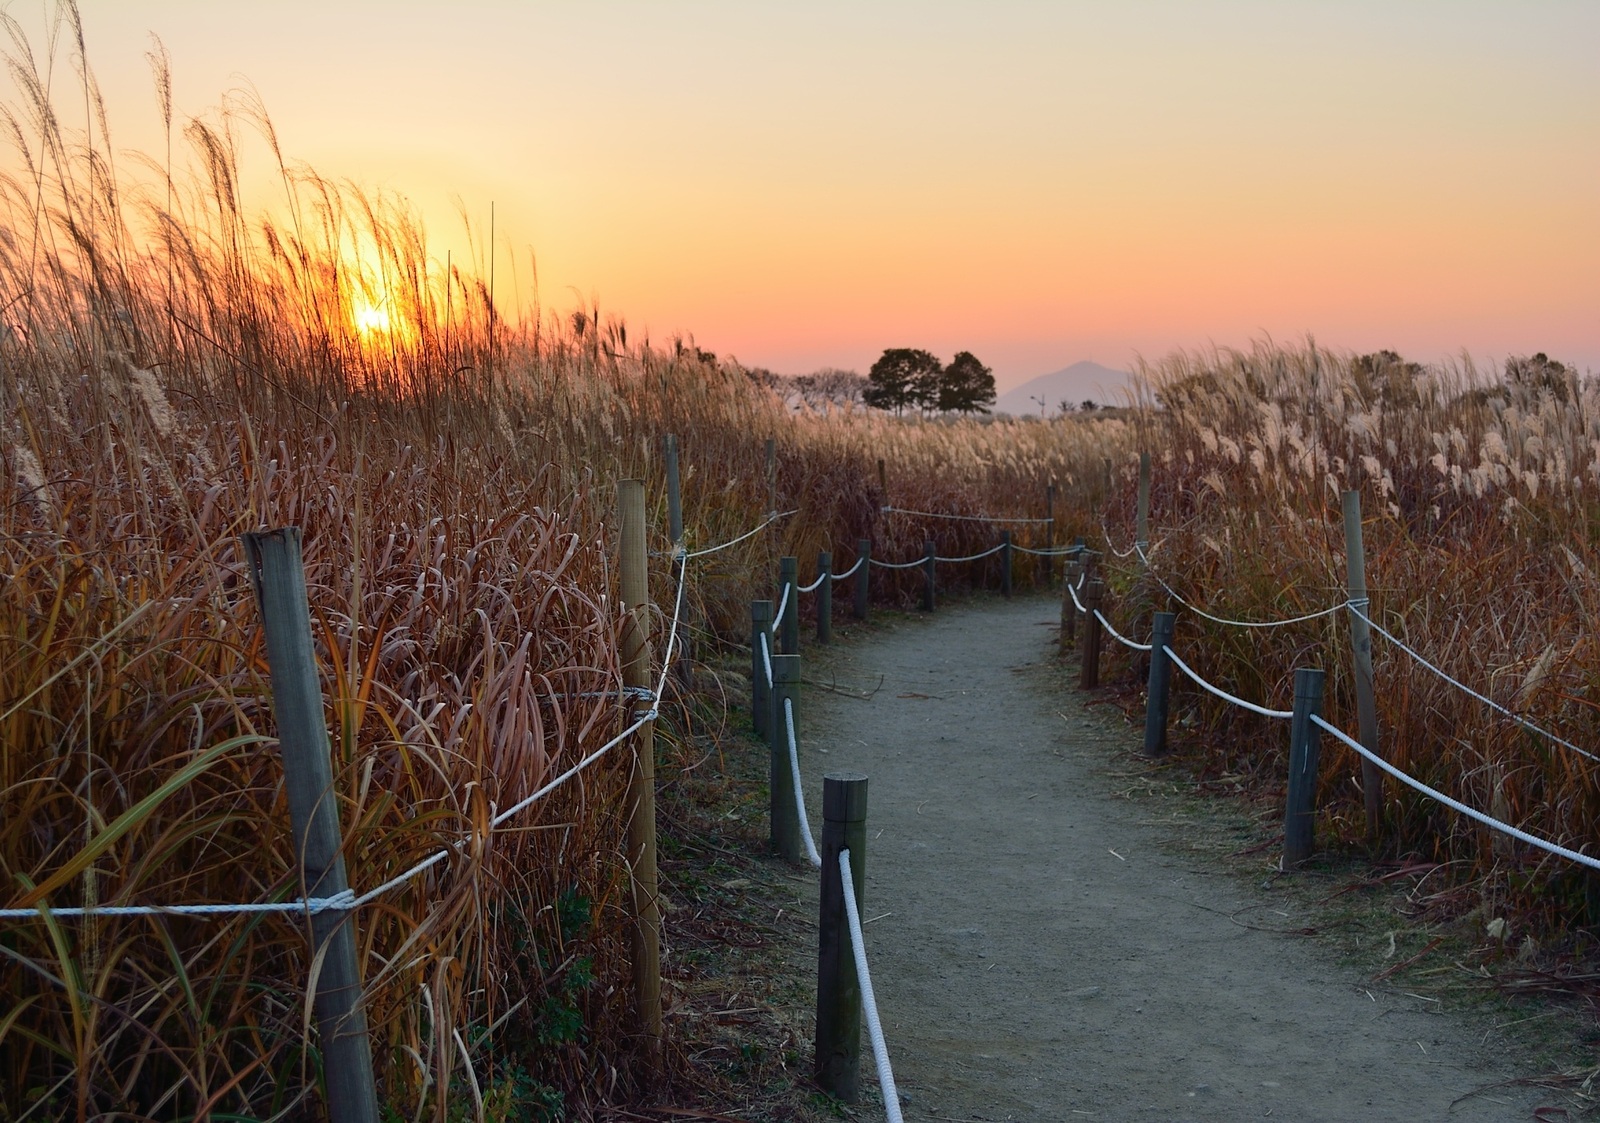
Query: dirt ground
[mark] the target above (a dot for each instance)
(1045, 948)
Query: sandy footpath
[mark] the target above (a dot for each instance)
(1043, 952)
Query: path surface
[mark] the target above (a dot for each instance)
(1044, 955)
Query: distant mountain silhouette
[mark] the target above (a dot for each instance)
(1077, 383)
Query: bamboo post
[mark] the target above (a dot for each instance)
(760, 687)
(1047, 564)
(844, 827)
(1158, 688)
(1299, 820)
(927, 588)
(1089, 671)
(278, 578)
(825, 597)
(1005, 563)
(641, 798)
(1069, 610)
(789, 625)
(1361, 653)
(864, 555)
(782, 812)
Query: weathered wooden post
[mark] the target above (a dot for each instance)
(1089, 670)
(1069, 610)
(782, 813)
(825, 597)
(1005, 563)
(760, 688)
(864, 556)
(641, 798)
(1159, 684)
(278, 578)
(927, 588)
(1299, 821)
(789, 597)
(1361, 653)
(844, 827)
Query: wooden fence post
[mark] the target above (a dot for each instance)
(641, 799)
(782, 812)
(864, 556)
(760, 688)
(1299, 821)
(1089, 670)
(825, 597)
(1005, 563)
(1361, 651)
(278, 578)
(1069, 610)
(789, 624)
(927, 568)
(844, 827)
(1158, 688)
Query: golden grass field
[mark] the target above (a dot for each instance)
(178, 371)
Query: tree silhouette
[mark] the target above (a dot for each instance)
(966, 386)
(903, 376)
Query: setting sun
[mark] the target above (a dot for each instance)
(369, 319)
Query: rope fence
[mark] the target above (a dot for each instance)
(869, 999)
(1306, 717)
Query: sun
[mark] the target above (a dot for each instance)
(369, 320)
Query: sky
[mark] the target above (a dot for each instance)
(802, 185)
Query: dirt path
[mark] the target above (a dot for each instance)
(1043, 954)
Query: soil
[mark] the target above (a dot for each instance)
(1046, 945)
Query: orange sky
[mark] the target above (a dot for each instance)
(804, 185)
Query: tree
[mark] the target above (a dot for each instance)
(903, 376)
(966, 386)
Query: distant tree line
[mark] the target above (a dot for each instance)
(909, 377)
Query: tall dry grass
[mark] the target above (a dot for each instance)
(1481, 500)
(179, 368)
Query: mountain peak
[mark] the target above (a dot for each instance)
(1084, 380)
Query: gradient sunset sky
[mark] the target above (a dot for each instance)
(803, 185)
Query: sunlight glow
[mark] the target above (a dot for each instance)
(369, 319)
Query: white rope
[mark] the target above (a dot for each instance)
(766, 657)
(1459, 685)
(1223, 694)
(971, 557)
(900, 565)
(869, 1001)
(347, 900)
(961, 518)
(1073, 589)
(772, 518)
(852, 569)
(783, 603)
(1118, 636)
(1053, 552)
(1197, 610)
(799, 799)
(1486, 820)
(815, 585)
